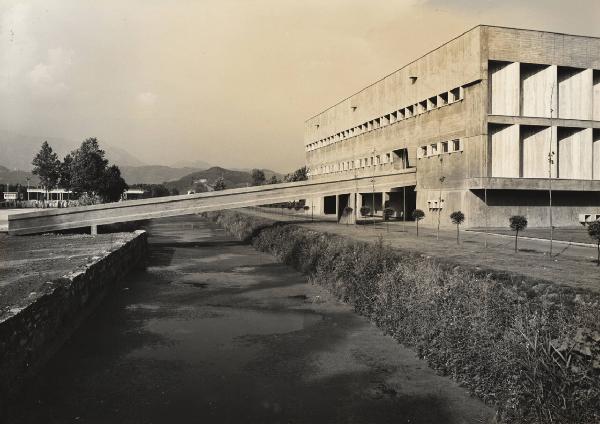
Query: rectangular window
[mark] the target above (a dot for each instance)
(444, 147)
(401, 114)
(388, 157)
(386, 120)
(434, 149)
(443, 99)
(432, 103)
(409, 111)
(456, 145)
(422, 106)
(455, 94)
(424, 151)
(393, 117)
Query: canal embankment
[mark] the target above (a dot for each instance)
(49, 284)
(528, 346)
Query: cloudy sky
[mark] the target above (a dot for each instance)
(229, 82)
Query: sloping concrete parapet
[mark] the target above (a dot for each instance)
(31, 334)
(133, 210)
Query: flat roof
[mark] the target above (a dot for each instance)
(439, 47)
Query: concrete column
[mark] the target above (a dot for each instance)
(385, 197)
(596, 156)
(358, 206)
(505, 88)
(94, 230)
(575, 93)
(539, 90)
(337, 206)
(575, 152)
(505, 151)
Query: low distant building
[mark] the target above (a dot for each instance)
(133, 193)
(54, 194)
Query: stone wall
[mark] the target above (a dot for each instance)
(30, 335)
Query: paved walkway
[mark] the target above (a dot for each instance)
(569, 264)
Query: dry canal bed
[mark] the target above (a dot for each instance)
(214, 331)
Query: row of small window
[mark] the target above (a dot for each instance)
(423, 106)
(353, 164)
(435, 204)
(439, 148)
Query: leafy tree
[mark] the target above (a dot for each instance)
(174, 192)
(258, 177)
(517, 223)
(273, 180)
(112, 185)
(220, 184)
(47, 167)
(88, 168)
(418, 215)
(300, 174)
(457, 219)
(64, 180)
(594, 232)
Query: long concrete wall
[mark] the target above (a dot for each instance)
(88, 216)
(29, 336)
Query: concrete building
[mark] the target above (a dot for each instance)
(470, 126)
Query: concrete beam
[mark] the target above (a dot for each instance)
(493, 183)
(132, 210)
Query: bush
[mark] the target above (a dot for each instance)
(528, 347)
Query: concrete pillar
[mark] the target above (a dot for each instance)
(575, 93)
(337, 206)
(537, 142)
(575, 152)
(385, 197)
(596, 95)
(94, 230)
(596, 155)
(539, 90)
(505, 88)
(358, 206)
(505, 151)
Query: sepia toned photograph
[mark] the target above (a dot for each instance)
(280, 211)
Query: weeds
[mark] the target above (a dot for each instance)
(531, 349)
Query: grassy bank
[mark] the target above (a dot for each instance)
(530, 348)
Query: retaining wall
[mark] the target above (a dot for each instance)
(33, 333)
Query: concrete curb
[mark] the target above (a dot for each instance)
(571, 243)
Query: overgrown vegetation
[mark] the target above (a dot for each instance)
(528, 347)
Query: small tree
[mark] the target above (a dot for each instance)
(594, 232)
(220, 184)
(258, 177)
(517, 223)
(46, 166)
(273, 180)
(418, 215)
(457, 219)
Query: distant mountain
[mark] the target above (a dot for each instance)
(197, 164)
(17, 150)
(8, 176)
(153, 174)
(232, 179)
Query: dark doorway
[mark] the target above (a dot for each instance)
(343, 202)
(329, 205)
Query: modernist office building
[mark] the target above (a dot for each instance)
(471, 126)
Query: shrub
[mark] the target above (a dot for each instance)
(525, 346)
(517, 223)
(457, 219)
(418, 215)
(594, 232)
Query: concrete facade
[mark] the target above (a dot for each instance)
(477, 119)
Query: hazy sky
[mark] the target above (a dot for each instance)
(225, 81)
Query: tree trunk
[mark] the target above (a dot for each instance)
(516, 240)
(457, 234)
(598, 263)
(417, 228)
